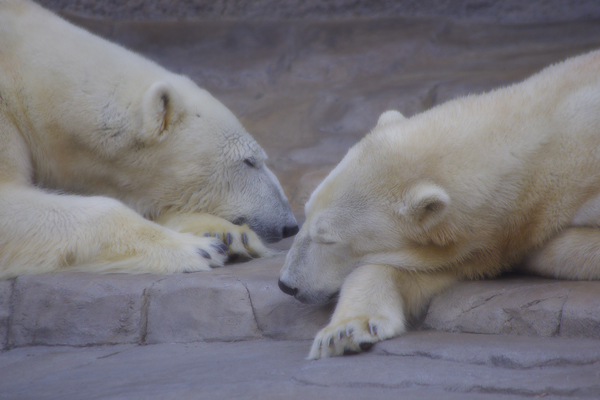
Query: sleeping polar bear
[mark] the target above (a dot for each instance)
(95, 138)
(463, 191)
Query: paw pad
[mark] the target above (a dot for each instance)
(365, 346)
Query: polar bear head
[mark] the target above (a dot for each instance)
(169, 146)
(209, 153)
(366, 211)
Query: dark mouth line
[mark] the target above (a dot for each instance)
(333, 298)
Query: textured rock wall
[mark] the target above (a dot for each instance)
(478, 10)
(242, 302)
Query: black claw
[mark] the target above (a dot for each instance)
(221, 248)
(228, 239)
(365, 346)
(373, 329)
(244, 239)
(204, 254)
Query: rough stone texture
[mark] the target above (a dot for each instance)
(201, 306)
(483, 10)
(242, 301)
(581, 311)
(20, 367)
(237, 302)
(518, 305)
(77, 309)
(5, 296)
(417, 366)
(493, 350)
(278, 315)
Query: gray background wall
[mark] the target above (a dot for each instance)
(478, 10)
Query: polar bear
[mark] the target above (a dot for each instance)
(462, 191)
(110, 163)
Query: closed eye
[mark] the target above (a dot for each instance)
(249, 163)
(322, 240)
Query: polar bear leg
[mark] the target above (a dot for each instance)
(573, 254)
(44, 232)
(242, 241)
(372, 307)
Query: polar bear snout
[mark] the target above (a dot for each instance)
(289, 231)
(262, 205)
(320, 298)
(271, 230)
(286, 289)
(308, 297)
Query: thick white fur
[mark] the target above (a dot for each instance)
(465, 190)
(98, 142)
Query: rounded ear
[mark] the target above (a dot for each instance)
(161, 108)
(389, 117)
(322, 231)
(425, 204)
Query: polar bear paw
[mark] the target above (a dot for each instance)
(213, 252)
(151, 250)
(185, 253)
(353, 335)
(241, 241)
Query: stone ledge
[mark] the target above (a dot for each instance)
(416, 366)
(237, 302)
(242, 302)
(519, 305)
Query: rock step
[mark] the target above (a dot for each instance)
(416, 366)
(242, 302)
(519, 305)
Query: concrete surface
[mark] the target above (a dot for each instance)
(307, 91)
(416, 366)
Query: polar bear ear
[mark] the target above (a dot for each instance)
(425, 204)
(389, 117)
(161, 108)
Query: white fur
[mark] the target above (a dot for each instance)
(465, 190)
(95, 138)
(389, 117)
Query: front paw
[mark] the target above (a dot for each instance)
(199, 254)
(353, 335)
(214, 252)
(241, 241)
(153, 250)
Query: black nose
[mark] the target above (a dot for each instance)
(286, 289)
(290, 231)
